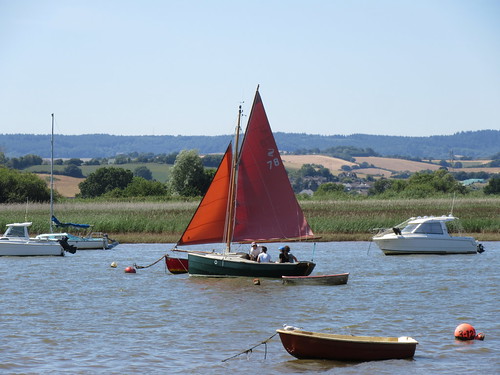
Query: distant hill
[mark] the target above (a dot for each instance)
(473, 144)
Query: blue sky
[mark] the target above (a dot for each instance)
(150, 67)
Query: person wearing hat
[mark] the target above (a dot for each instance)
(288, 257)
(264, 257)
(254, 251)
(283, 258)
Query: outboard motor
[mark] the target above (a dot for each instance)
(397, 231)
(480, 248)
(66, 246)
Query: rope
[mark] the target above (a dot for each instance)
(152, 264)
(249, 351)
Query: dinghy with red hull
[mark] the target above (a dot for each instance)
(314, 345)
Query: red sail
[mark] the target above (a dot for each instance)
(266, 207)
(208, 222)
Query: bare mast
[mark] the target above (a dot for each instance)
(232, 187)
(52, 174)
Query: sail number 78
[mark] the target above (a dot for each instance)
(273, 162)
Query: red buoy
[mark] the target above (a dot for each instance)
(465, 332)
(130, 270)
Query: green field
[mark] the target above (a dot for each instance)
(333, 220)
(160, 171)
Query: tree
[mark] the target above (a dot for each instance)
(139, 187)
(73, 171)
(143, 172)
(103, 180)
(188, 177)
(212, 160)
(17, 187)
(493, 186)
(329, 188)
(74, 161)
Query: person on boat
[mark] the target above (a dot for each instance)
(254, 251)
(290, 256)
(264, 257)
(283, 258)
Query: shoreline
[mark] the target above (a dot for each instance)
(140, 237)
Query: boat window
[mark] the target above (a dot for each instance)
(409, 228)
(15, 232)
(430, 228)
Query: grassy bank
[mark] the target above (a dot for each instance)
(333, 220)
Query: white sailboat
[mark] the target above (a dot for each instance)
(91, 240)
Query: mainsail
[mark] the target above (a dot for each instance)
(265, 207)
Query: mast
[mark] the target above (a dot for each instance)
(232, 187)
(52, 174)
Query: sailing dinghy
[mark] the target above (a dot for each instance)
(250, 199)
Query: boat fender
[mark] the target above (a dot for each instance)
(465, 332)
(130, 270)
(480, 248)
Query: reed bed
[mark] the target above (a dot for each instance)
(333, 220)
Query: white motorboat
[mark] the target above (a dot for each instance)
(89, 242)
(425, 235)
(16, 242)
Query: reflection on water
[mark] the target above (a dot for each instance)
(78, 315)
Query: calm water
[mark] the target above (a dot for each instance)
(77, 315)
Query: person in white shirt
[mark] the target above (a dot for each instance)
(264, 257)
(254, 251)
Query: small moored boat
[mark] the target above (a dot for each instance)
(338, 279)
(314, 345)
(17, 242)
(425, 235)
(176, 265)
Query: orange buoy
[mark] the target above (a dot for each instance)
(256, 282)
(465, 332)
(130, 270)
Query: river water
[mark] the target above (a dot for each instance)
(77, 315)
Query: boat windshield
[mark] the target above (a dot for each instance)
(15, 231)
(428, 228)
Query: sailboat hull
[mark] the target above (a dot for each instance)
(234, 265)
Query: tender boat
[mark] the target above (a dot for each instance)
(425, 235)
(17, 242)
(249, 199)
(338, 279)
(176, 265)
(313, 345)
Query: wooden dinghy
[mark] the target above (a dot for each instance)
(176, 265)
(338, 279)
(314, 345)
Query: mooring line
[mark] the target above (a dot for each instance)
(152, 264)
(252, 348)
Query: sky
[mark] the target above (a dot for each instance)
(182, 67)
